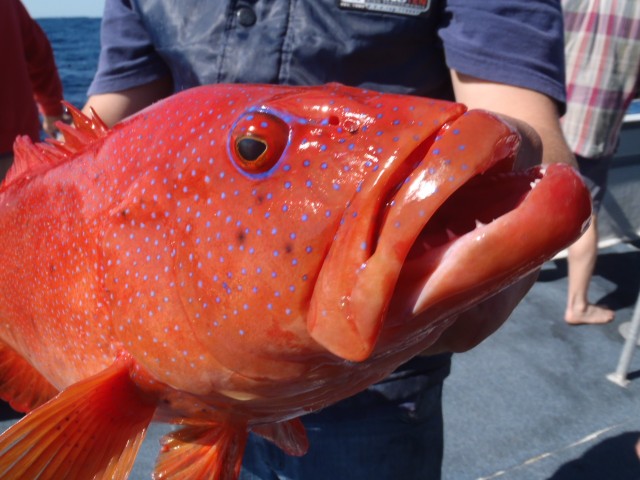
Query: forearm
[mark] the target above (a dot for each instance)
(527, 110)
(115, 106)
(535, 117)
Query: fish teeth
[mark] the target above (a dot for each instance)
(451, 235)
(535, 182)
(479, 224)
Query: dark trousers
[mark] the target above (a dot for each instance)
(366, 437)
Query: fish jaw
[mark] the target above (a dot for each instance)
(491, 257)
(362, 267)
(408, 278)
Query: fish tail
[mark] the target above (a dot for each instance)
(212, 452)
(91, 430)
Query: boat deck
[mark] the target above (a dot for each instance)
(533, 401)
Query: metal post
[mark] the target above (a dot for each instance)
(620, 375)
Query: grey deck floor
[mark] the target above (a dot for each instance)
(533, 401)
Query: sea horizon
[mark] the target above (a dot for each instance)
(58, 17)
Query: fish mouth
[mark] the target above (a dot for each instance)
(451, 229)
(463, 221)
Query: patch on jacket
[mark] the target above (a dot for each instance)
(400, 7)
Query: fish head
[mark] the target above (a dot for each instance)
(438, 218)
(322, 222)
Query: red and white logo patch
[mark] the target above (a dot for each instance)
(401, 7)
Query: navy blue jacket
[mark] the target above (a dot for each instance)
(402, 46)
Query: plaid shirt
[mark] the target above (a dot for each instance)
(602, 48)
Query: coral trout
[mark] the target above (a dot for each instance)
(236, 256)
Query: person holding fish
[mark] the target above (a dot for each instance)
(505, 56)
(29, 82)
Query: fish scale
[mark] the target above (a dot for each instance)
(236, 256)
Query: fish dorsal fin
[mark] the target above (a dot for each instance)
(91, 430)
(33, 158)
(211, 451)
(20, 384)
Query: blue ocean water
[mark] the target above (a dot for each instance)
(76, 45)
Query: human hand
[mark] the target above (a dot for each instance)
(474, 325)
(49, 124)
(471, 327)
(535, 117)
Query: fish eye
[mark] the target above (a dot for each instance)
(250, 149)
(258, 140)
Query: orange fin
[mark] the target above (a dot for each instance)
(34, 158)
(20, 384)
(290, 436)
(92, 430)
(212, 452)
(92, 126)
(31, 159)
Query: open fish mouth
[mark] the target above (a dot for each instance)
(478, 202)
(455, 226)
(467, 216)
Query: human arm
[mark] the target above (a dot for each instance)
(114, 106)
(534, 114)
(42, 70)
(49, 124)
(131, 74)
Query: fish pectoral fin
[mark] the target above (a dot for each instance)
(93, 429)
(213, 451)
(290, 436)
(20, 384)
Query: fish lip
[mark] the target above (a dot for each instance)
(551, 214)
(356, 282)
(497, 167)
(439, 235)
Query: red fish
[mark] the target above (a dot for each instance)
(234, 257)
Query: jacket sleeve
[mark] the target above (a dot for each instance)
(128, 57)
(42, 69)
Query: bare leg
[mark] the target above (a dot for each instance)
(582, 260)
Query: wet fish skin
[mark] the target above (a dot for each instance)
(236, 256)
